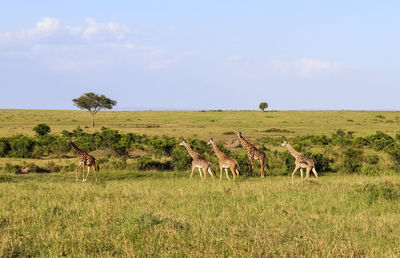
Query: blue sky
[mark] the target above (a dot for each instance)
(296, 55)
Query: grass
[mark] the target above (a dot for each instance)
(165, 214)
(204, 124)
(131, 213)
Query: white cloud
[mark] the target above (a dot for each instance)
(103, 31)
(45, 28)
(304, 67)
(64, 47)
(50, 29)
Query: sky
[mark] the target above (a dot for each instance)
(200, 55)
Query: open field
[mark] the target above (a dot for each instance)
(161, 213)
(204, 124)
(165, 214)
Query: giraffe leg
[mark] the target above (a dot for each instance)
(201, 174)
(301, 173)
(191, 174)
(233, 171)
(87, 175)
(308, 172)
(77, 172)
(262, 167)
(252, 166)
(315, 172)
(294, 171)
(211, 173)
(95, 171)
(83, 172)
(227, 174)
(220, 173)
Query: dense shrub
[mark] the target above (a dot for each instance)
(4, 147)
(244, 163)
(163, 144)
(180, 158)
(340, 137)
(21, 146)
(287, 160)
(41, 129)
(352, 161)
(380, 140)
(322, 164)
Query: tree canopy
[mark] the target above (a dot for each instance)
(263, 105)
(93, 103)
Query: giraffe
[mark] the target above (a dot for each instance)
(253, 153)
(86, 160)
(198, 162)
(301, 162)
(224, 161)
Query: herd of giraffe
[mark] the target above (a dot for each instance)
(204, 166)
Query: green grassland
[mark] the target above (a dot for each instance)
(203, 124)
(165, 214)
(161, 213)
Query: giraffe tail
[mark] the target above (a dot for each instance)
(237, 164)
(266, 164)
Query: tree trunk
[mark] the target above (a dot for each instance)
(92, 119)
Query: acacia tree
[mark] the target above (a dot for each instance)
(93, 103)
(263, 105)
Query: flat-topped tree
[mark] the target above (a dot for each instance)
(93, 103)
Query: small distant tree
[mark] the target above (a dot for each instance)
(41, 129)
(263, 105)
(93, 103)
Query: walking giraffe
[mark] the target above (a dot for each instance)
(224, 161)
(253, 153)
(85, 159)
(301, 162)
(198, 162)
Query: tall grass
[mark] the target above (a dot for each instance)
(164, 214)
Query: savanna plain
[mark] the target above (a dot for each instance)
(145, 205)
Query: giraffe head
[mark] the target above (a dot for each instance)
(183, 143)
(239, 134)
(284, 144)
(210, 142)
(69, 141)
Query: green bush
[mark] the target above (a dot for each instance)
(21, 146)
(244, 164)
(322, 164)
(41, 129)
(4, 147)
(380, 140)
(180, 158)
(352, 161)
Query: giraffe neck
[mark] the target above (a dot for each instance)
(191, 152)
(217, 151)
(292, 151)
(245, 143)
(79, 151)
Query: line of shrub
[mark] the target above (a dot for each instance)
(343, 151)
